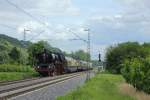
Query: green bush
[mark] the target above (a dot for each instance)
(132, 60)
(136, 72)
(117, 54)
(15, 68)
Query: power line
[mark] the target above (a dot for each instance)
(34, 18)
(7, 26)
(28, 14)
(88, 42)
(25, 12)
(31, 16)
(77, 36)
(32, 38)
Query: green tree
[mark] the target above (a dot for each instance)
(24, 57)
(33, 50)
(4, 57)
(133, 61)
(80, 55)
(37, 48)
(117, 54)
(15, 55)
(5, 48)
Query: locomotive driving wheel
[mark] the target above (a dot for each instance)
(50, 73)
(51, 70)
(54, 72)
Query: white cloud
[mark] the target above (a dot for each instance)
(40, 9)
(133, 19)
(132, 24)
(54, 32)
(12, 16)
(55, 7)
(135, 6)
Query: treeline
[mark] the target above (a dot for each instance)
(79, 55)
(13, 51)
(132, 60)
(12, 54)
(38, 47)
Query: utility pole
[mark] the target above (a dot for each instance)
(88, 42)
(24, 34)
(89, 53)
(22, 43)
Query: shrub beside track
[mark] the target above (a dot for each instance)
(16, 72)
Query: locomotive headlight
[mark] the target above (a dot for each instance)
(38, 67)
(49, 67)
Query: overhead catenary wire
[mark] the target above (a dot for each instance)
(7, 26)
(77, 36)
(37, 35)
(25, 12)
(88, 49)
(29, 14)
(36, 19)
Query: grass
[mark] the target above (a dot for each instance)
(15, 68)
(8, 76)
(10, 72)
(101, 87)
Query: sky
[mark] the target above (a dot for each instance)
(110, 22)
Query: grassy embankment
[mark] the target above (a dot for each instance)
(16, 72)
(101, 87)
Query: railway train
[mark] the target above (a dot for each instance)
(53, 63)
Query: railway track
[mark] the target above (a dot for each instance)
(2, 83)
(18, 88)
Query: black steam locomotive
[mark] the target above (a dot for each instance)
(53, 63)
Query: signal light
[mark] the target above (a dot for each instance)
(99, 56)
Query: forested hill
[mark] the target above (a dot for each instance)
(14, 41)
(14, 51)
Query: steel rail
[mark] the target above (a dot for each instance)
(2, 83)
(13, 92)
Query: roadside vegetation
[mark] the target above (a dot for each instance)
(132, 60)
(16, 72)
(15, 68)
(14, 64)
(10, 76)
(101, 87)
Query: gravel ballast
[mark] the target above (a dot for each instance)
(52, 91)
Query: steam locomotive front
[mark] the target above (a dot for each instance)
(45, 65)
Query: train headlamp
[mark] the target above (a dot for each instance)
(49, 66)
